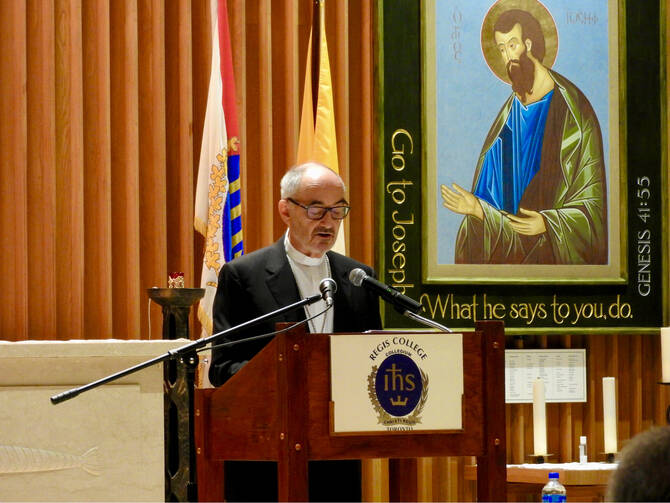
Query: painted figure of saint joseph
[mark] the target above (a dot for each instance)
(539, 193)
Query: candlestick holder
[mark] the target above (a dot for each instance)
(539, 459)
(179, 387)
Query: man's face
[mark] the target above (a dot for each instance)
(320, 187)
(510, 44)
(520, 68)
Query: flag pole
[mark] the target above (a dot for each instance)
(316, 54)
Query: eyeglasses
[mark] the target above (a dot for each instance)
(315, 212)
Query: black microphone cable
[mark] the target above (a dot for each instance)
(264, 336)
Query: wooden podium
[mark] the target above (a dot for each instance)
(277, 408)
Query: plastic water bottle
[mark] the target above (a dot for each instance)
(554, 491)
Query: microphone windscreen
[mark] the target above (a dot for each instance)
(356, 276)
(327, 284)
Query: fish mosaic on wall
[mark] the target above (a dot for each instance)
(16, 459)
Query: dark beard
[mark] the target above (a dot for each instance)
(522, 74)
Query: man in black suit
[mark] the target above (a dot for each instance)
(312, 205)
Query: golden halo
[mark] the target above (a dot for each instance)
(539, 12)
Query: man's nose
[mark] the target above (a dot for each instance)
(328, 218)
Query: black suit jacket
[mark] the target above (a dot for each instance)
(261, 282)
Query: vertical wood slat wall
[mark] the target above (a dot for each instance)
(632, 359)
(126, 292)
(102, 106)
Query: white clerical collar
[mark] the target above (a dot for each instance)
(299, 257)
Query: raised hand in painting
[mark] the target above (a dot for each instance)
(461, 201)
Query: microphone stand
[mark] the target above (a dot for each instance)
(179, 352)
(425, 321)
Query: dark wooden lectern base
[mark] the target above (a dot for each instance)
(278, 408)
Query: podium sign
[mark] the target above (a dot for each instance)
(404, 382)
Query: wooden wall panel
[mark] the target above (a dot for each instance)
(179, 136)
(361, 142)
(125, 158)
(97, 170)
(13, 154)
(261, 168)
(107, 99)
(285, 86)
(337, 35)
(41, 140)
(153, 157)
(69, 171)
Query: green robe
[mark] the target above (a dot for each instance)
(569, 190)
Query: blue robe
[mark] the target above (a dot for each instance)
(514, 158)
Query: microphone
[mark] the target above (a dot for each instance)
(328, 287)
(401, 302)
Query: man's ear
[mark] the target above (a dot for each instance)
(282, 208)
(529, 44)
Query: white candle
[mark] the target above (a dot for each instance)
(539, 419)
(665, 353)
(609, 414)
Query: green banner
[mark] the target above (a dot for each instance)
(423, 47)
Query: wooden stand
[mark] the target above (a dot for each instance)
(277, 408)
(179, 385)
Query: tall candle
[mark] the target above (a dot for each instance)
(609, 414)
(665, 353)
(539, 419)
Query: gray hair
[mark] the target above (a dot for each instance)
(642, 474)
(290, 182)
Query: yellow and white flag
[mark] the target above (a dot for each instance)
(318, 141)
